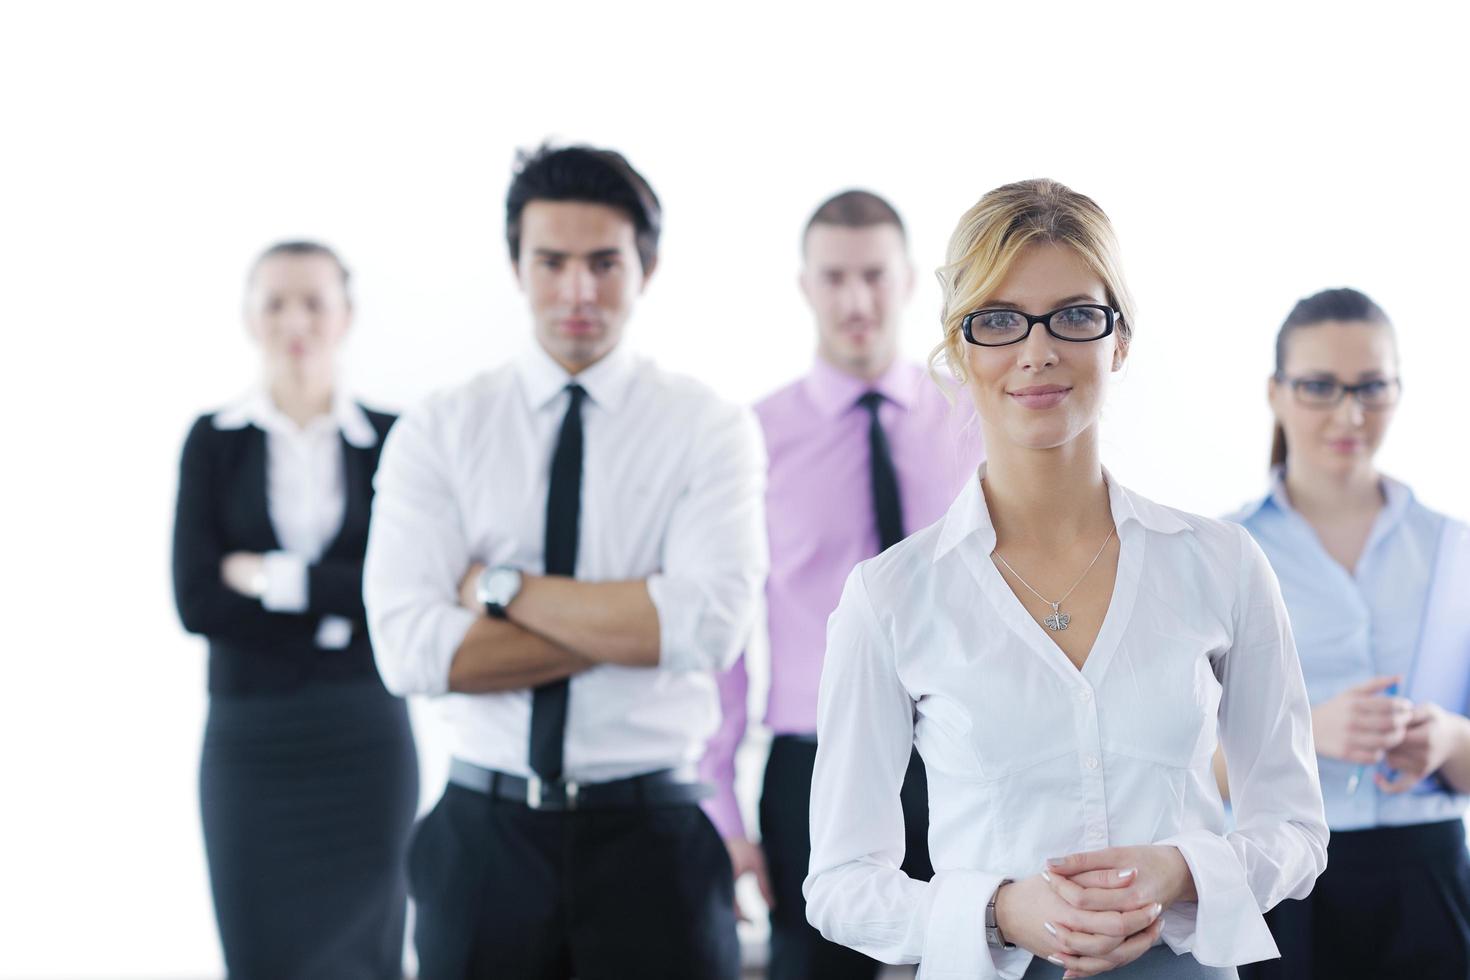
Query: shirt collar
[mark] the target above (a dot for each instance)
(606, 382)
(969, 517)
(834, 391)
(257, 408)
(1396, 499)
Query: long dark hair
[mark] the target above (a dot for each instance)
(1330, 305)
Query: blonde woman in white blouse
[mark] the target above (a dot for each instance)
(1063, 653)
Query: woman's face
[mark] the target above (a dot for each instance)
(1333, 440)
(1042, 392)
(296, 309)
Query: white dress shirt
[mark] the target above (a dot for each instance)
(306, 494)
(1029, 758)
(672, 485)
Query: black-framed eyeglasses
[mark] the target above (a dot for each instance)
(1077, 324)
(1327, 392)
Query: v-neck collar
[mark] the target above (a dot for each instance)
(356, 483)
(1396, 500)
(1004, 601)
(968, 529)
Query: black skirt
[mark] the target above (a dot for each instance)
(1393, 903)
(308, 798)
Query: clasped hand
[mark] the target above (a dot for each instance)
(1366, 726)
(1095, 911)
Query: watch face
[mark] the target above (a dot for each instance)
(499, 585)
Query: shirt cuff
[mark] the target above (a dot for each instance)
(285, 582)
(1225, 926)
(334, 633)
(954, 936)
(447, 629)
(680, 608)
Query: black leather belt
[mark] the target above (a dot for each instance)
(661, 788)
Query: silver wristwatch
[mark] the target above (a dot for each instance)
(496, 587)
(993, 936)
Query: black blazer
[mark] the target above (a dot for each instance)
(222, 508)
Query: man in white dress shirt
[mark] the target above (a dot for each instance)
(562, 553)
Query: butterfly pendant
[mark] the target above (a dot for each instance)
(1058, 620)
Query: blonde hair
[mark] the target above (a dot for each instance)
(994, 233)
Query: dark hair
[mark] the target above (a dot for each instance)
(590, 175)
(302, 247)
(1330, 305)
(854, 209)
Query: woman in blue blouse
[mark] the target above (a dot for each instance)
(1378, 587)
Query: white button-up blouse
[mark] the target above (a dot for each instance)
(1029, 758)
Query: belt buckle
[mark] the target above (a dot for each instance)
(536, 793)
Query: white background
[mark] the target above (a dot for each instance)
(1248, 154)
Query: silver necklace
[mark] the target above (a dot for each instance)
(1058, 620)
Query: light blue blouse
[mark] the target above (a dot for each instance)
(1351, 628)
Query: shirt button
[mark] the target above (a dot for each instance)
(1084, 695)
(1090, 761)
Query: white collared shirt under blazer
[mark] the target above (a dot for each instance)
(1030, 758)
(673, 483)
(306, 494)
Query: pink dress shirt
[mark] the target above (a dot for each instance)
(820, 522)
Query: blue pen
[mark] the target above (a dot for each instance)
(1357, 777)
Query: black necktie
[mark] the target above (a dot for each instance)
(886, 505)
(563, 510)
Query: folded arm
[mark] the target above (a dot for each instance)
(496, 655)
(206, 603)
(695, 613)
(601, 622)
(424, 640)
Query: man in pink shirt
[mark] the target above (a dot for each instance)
(862, 450)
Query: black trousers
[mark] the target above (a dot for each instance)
(1393, 904)
(505, 891)
(798, 951)
(308, 798)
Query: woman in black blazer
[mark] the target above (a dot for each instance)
(309, 780)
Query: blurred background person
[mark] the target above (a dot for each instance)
(565, 550)
(862, 449)
(1378, 587)
(308, 781)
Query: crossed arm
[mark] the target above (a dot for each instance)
(430, 636)
(554, 628)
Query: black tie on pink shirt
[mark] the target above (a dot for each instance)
(886, 504)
